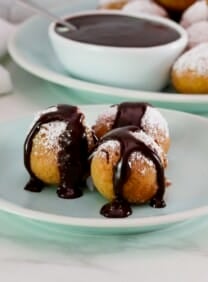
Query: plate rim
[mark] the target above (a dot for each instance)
(78, 84)
(105, 223)
(102, 223)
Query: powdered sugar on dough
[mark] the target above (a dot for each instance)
(109, 113)
(40, 113)
(153, 123)
(195, 60)
(108, 146)
(108, 117)
(49, 133)
(198, 33)
(114, 146)
(144, 6)
(149, 142)
(195, 13)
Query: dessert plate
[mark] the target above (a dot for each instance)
(186, 198)
(31, 49)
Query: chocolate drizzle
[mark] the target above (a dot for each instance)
(129, 119)
(130, 113)
(129, 144)
(72, 157)
(34, 185)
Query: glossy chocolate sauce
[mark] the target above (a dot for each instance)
(130, 113)
(119, 207)
(118, 31)
(72, 157)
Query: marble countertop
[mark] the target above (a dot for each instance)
(31, 252)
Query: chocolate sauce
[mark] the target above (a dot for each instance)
(118, 31)
(72, 157)
(129, 144)
(119, 208)
(130, 113)
(34, 185)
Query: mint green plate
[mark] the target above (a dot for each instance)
(31, 49)
(186, 198)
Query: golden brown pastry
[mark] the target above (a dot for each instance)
(140, 114)
(145, 6)
(56, 150)
(128, 168)
(190, 71)
(174, 5)
(112, 4)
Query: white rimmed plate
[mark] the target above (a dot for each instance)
(186, 198)
(31, 49)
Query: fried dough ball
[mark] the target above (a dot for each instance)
(152, 122)
(145, 6)
(195, 13)
(175, 5)
(44, 153)
(197, 33)
(141, 184)
(112, 4)
(190, 71)
(57, 149)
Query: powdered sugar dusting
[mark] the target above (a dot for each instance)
(110, 145)
(145, 162)
(195, 13)
(103, 152)
(90, 138)
(49, 134)
(110, 113)
(195, 60)
(108, 117)
(43, 112)
(198, 33)
(114, 146)
(40, 113)
(148, 141)
(153, 121)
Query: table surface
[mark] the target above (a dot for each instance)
(30, 252)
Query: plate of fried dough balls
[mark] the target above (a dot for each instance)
(189, 74)
(121, 168)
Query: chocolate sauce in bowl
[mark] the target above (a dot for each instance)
(118, 31)
(73, 153)
(119, 207)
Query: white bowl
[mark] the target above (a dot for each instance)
(134, 68)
